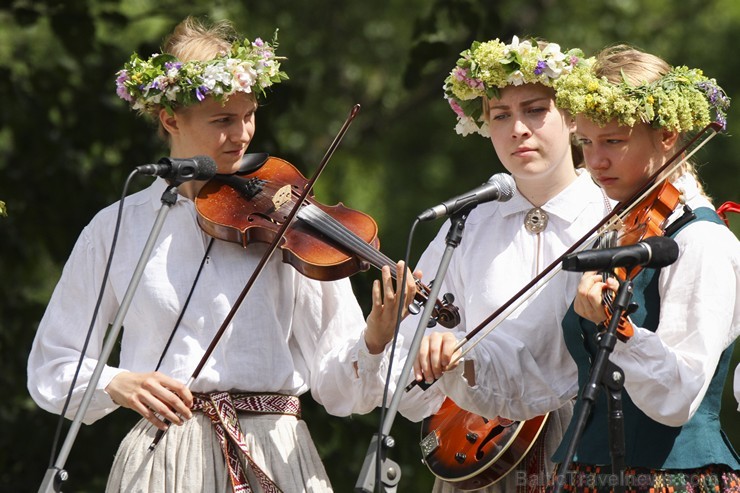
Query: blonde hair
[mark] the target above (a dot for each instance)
(197, 40)
(623, 62)
(193, 39)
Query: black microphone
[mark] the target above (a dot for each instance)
(499, 187)
(654, 252)
(180, 170)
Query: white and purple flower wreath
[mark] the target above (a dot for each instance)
(486, 67)
(163, 81)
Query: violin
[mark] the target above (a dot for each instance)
(325, 243)
(646, 219)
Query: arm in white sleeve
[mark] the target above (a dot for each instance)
(416, 403)
(512, 383)
(61, 334)
(667, 372)
(345, 377)
(508, 381)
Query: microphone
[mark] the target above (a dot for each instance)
(180, 170)
(654, 252)
(499, 187)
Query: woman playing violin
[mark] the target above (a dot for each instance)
(291, 335)
(505, 92)
(688, 314)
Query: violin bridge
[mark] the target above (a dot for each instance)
(612, 227)
(281, 197)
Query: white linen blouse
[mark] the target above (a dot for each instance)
(496, 258)
(291, 333)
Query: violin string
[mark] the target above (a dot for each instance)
(325, 223)
(341, 233)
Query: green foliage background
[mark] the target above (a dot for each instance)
(67, 144)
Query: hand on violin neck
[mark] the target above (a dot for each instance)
(381, 322)
(589, 298)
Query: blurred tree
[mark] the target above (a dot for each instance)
(67, 143)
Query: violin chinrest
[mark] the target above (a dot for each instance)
(252, 161)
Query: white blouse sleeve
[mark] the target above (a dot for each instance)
(60, 338)
(345, 377)
(667, 372)
(512, 383)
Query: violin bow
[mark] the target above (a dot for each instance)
(621, 209)
(266, 256)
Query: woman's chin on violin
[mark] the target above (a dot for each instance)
(683, 316)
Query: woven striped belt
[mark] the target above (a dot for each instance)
(222, 408)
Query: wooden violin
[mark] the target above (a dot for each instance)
(324, 243)
(647, 219)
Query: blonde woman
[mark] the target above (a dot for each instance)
(290, 335)
(632, 110)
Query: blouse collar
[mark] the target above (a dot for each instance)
(567, 205)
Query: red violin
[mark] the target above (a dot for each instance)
(324, 243)
(647, 218)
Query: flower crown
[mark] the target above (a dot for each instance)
(487, 67)
(680, 100)
(163, 81)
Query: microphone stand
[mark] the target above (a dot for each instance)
(390, 472)
(55, 474)
(611, 377)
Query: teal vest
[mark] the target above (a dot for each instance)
(648, 443)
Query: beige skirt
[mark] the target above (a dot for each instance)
(189, 458)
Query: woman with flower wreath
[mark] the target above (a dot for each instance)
(506, 92)
(291, 333)
(632, 110)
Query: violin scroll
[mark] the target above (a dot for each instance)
(445, 312)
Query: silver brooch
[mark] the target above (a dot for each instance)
(536, 220)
